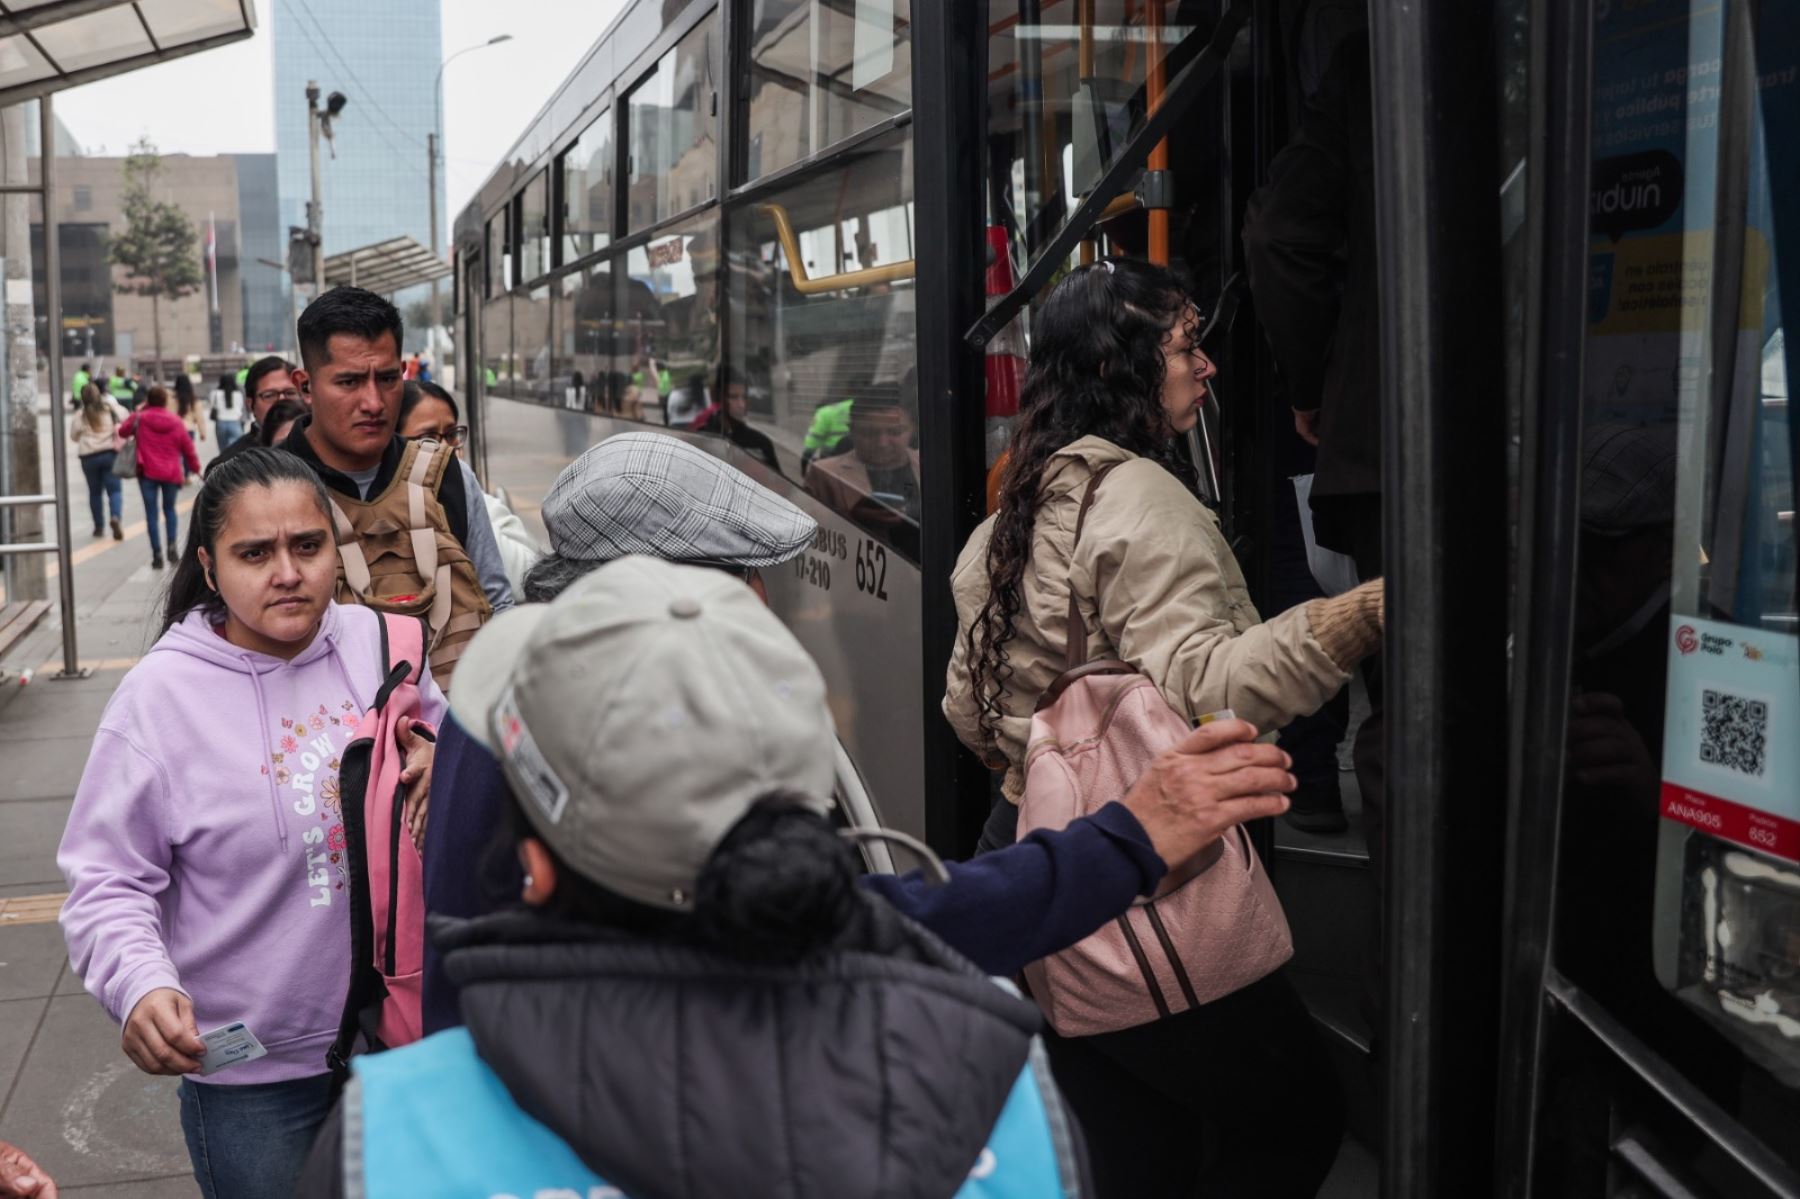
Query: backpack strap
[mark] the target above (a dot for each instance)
(403, 640)
(1075, 648)
(430, 459)
(350, 551)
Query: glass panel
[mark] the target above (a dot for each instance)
(106, 36)
(670, 312)
(819, 74)
(496, 346)
(20, 62)
(674, 156)
(499, 253)
(1682, 801)
(534, 228)
(1066, 91)
(174, 22)
(829, 370)
(587, 190)
(530, 376)
(585, 332)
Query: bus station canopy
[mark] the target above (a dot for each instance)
(386, 266)
(49, 45)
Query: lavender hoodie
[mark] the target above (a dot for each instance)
(215, 865)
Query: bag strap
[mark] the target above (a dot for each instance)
(1075, 648)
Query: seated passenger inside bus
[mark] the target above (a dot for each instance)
(876, 483)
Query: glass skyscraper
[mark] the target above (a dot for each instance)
(384, 57)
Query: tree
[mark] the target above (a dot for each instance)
(160, 249)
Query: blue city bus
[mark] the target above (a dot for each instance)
(1572, 964)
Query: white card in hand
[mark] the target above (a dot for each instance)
(228, 1046)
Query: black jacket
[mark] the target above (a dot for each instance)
(450, 487)
(875, 1068)
(1309, 243)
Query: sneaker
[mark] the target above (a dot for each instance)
(155, 561)
(118, 531)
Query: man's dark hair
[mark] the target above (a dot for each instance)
(262, 367)
(344, 309)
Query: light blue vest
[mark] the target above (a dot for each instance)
(433, 1120)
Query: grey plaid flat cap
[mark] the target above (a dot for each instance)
(1627, 476)
(648, 493)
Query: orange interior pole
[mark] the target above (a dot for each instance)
(1159, 155)
(1084, 70)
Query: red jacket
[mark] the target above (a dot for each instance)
(162, 444)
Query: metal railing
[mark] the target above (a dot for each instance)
(58, 543)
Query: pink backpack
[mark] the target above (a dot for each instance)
(387, 889)
(1214, 926)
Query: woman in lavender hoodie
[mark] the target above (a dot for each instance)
(207, 881)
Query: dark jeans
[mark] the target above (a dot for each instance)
(1311, 741)
(152, 490)
(1248, 1068)
(249, 1142)
(1356, 524)
(103, 486)
(1235, 1098)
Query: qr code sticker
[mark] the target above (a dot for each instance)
(1734, 732)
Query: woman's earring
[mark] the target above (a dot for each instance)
(529, 883)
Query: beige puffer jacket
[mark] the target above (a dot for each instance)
(1171, 601)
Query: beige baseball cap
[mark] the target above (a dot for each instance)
(640, 714)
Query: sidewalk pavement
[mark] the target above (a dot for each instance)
(68, 1096)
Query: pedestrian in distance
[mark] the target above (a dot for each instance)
(267, 382)
(189, 408)
(165, 457)
(449, 571)
(652, 494)
(207, 876)
(95, 432)
(278, 422)
(692, 998)
(1115, 373)
(227, 404)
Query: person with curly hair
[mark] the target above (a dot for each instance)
(1116, 372)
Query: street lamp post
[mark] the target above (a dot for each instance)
(433, 149)
(318, 120)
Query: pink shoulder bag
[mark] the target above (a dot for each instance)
(1213, 926)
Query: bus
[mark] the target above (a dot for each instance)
(1557, 950)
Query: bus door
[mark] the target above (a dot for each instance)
(1651, 1042)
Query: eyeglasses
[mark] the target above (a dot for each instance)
(270, 397)
(452, 437)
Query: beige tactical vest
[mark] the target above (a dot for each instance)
(396, 554)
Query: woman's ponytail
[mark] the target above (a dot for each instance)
(781, 885)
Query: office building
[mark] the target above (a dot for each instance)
(99, 320)
(263, 241)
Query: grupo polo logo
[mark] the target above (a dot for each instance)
(1686, 640)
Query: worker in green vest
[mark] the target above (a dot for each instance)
(830, 425)
(83, 376)
(121, 387)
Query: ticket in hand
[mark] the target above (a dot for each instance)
(229, 1046)
(1221, 714)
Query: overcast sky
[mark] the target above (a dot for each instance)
(222, 102)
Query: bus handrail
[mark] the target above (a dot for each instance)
(806, 285)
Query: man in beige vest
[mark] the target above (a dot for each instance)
(413, 533)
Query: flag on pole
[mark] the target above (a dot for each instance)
(212, 259)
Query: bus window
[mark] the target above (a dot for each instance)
(583, 369)
(823, 335)
(1679, 904)
(534, 228)
(670, 135)
(822, 73)
(1065, 93)
(499, 258)
(670, 333)
(587, 190)
(496, 344)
